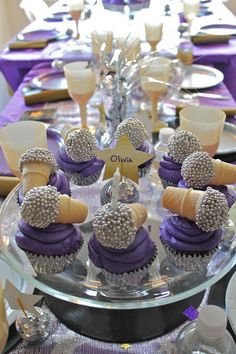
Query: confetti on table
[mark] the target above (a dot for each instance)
(191, 313)
(126, 346)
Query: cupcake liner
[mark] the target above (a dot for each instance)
(143, 171)
(189, 262)
(106, 198)
(51, 264)
(79, 180)
(129, 279)
(165, 183)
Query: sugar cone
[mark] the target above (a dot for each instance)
(225, 173)
(71, 210)
(139, 214)
(35, 174)
(182, 201)
(66, 129)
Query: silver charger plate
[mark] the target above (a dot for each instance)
(200, 77)
(53, 80)
(228, 140)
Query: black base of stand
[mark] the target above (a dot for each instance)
(121, 325)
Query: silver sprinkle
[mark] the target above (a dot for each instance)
(80, 145)
(197, 170)
(40, 155)
(213, 212)
(105, 227)
(135, 131)
(40, 207)
(182, 144)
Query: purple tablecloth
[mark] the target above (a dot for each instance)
(15, 64)
(16, 107)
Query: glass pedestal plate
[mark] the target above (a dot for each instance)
(83, 300)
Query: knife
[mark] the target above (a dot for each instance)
(206, 95)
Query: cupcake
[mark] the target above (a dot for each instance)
(137, 134)
(120, 246)
(180, 145)
(77, 158)
(199, 171)
(46, 233)
(38, 167)
(191, 237)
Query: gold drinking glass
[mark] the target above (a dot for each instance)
(154, 82)
(130, 46)
(18, 137)
(153, 32)
(206, 123)
(75, 9)
(190, 8)
(100, 37)
(81, 85)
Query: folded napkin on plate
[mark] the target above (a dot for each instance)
(28, 44)
(209, 38)
(34, 96)
(229, 111)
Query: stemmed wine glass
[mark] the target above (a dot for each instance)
(81, 85)
(153, 32)
(129, 46)
(191, 8)
(154, 82)
(75, 9)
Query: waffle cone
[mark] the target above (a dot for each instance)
(181, 201)
(225, 173)
(71, 210)
(35, 174)
(139, 214)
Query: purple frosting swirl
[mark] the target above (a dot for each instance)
(86, 168)
(181, 234)
(136, 256)
(170, 170)
(58, 180)
(146, 147)
(54, 240)
(230, 194)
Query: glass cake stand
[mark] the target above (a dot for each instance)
(82, 299)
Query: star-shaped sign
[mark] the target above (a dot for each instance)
(126, 346)
(19, 301)
(125, 157)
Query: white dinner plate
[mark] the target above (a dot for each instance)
(219, 29)
(230, 302)
(200, 77)
(228, 140)
(6, 272)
